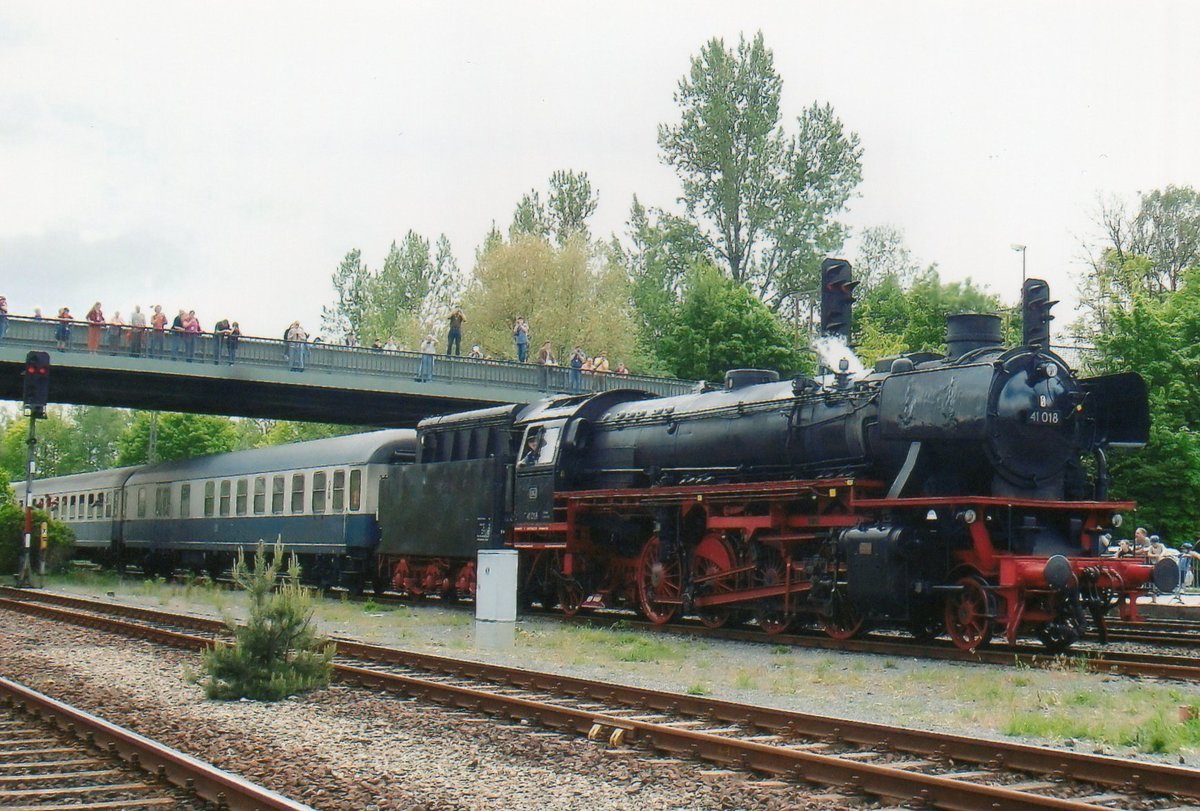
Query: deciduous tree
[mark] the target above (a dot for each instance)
(764, 200)
(719, 325)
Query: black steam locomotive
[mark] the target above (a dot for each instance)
(964, 493)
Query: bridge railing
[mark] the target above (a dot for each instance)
(310, 358)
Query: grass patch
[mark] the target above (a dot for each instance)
(744, 680)
(699, 689)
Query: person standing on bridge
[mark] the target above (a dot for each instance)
(116, 333)
(62, 335)
(191, 329)
(220, 335)
(3, 317)
(455, 340)
(177, 332)
(428, 350)
(297, 346)
(521, 338)
(231, 341)
(95, 319)
(137, 331)
(159, 322)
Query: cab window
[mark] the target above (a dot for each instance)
(540, 445)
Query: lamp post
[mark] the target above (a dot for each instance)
(1021, 250)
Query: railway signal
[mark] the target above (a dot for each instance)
(1035, 312)
(37, 383)
(837, 298)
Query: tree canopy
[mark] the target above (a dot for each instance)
(763, 200)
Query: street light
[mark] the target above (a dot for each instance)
(1021, 250)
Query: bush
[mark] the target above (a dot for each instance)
(277, 653)
(12, 533)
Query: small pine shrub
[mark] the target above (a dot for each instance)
(277, 653)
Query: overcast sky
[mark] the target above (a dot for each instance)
(225, 156)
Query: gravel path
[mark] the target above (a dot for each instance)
(346, 748)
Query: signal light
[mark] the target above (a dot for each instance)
(36, 387)
(837, 298)
(1035, 313)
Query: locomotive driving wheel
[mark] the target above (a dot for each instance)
(660, 583)
(771, 570)
(714, 555)
(970, 613)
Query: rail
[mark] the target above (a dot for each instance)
(205, 347)
(218, 787)
(935, 770)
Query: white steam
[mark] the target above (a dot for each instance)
(832, 350)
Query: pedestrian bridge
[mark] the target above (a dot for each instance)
(339, 384)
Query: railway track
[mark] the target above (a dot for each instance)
(54, 757)
(931, 769)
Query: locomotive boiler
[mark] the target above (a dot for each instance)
(963, 493)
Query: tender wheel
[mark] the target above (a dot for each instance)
(970, 614)
(660, 583)
(713, 556)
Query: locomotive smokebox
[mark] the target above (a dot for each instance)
(969, 331)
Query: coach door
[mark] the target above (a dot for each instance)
(533, 492)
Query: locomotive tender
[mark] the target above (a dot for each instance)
(934, 493)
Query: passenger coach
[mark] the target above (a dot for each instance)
(319, 497)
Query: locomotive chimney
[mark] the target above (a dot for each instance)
(1035, 310)
(968, 331)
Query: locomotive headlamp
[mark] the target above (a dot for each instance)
(968, 516)
(1049, 370)
(1117, 519)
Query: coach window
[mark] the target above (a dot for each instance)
(185, 501)
(210, 492)
(260, 495)
(71, 508)
(91, 507)
(277, 488)
(339, 491)
(225, 491)
(318, 496)
(243, 487)
(297, 492)
(106, 502)
(141, 503)
(355, 490)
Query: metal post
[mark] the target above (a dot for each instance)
(25, 576)
(152, 442)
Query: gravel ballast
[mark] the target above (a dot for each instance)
(347, 748)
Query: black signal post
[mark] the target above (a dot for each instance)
(837, 298)
(36, 390)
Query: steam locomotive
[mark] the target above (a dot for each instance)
(963, 494)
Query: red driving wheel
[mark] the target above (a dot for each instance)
(970, 613)
(660, 583)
